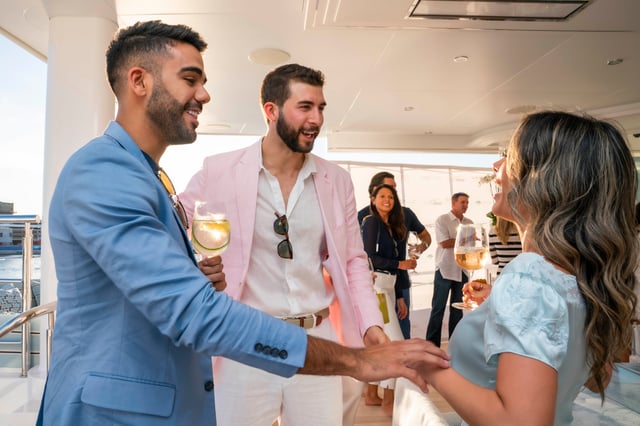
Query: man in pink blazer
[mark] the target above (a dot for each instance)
(293, 217)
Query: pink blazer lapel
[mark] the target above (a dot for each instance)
(245, 191)
(324, 190)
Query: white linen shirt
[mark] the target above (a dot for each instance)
(446, 228)
(288, 287)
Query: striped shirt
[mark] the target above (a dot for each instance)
(501, 253)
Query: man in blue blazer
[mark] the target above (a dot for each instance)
(137, 320)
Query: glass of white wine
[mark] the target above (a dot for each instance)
(412, 247)
(210, 231)
(471, 251)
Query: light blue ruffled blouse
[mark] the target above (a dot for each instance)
(534, 310)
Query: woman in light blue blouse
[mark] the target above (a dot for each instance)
(561, 311)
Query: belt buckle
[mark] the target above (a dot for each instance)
(307, 321)
(313, 318)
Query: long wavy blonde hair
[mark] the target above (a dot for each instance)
(574, 179)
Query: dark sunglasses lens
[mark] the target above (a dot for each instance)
(182, 214)
(285, 250)
(281, 225)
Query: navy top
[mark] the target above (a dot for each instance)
(384, 249)
(413, 225)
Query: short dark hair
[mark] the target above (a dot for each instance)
(457, 195)
(377, 179)
(275, 86)
(141, 44)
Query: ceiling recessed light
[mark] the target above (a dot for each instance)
(269, 56)
(36, 17)
(461, 58)
(408, 108)
(615, 61)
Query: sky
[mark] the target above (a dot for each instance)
(22, 104)
(22, 118)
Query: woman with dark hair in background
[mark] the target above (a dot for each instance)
(385, 240)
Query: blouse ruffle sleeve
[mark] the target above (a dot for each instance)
(527, 313)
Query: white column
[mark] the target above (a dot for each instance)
(79, 103)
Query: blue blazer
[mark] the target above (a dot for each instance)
(137, 322)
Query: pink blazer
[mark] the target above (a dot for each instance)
(231, 179)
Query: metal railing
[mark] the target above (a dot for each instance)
(27, 253)
(23, 319)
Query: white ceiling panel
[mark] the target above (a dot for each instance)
(378, 63)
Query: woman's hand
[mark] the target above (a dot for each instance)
(403, 311)
(212, 268)
(476, 291)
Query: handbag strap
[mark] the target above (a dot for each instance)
(378, 236)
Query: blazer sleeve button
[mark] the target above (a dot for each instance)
(275, 352)
(266, 349)
(258, 347)
(283, 354)
(208, 386)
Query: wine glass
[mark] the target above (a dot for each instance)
(471, 251)
(210, 231)
(412, 247)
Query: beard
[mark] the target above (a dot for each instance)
(166, 113)
(289, 136)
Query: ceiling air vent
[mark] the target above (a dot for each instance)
(498, 10)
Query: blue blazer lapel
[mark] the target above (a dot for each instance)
(115, 132)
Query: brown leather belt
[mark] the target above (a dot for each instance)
(308, 321)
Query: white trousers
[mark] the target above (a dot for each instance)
(351, 394)
(247, 396)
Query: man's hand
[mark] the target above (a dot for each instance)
(374, 363)
(212, 268)
(425, 237)
(397, 359)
